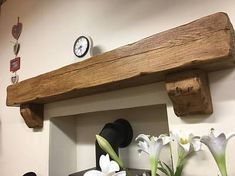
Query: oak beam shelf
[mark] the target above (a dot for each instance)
(206, 44)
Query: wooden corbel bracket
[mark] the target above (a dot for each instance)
(189, 92)
(32, 115)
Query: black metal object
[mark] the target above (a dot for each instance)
(119, 134)
(30, 174)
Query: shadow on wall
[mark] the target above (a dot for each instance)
(97, 50)
(222, 85)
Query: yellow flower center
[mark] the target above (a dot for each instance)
(183, 140)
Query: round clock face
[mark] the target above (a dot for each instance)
(81, 46)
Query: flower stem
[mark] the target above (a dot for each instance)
(172, 165)
(180, 165)
(127, 171)
(221, 163)
(179, 170)
(154, 164)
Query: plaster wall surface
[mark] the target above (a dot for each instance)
(49, 31)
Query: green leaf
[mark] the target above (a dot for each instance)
(179, 170)
(171, 172)
(164, 168)
(163, 171)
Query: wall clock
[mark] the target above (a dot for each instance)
(82, 46)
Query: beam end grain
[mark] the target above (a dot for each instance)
(189, 92)
(32, 115)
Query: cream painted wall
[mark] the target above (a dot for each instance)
(50, 28)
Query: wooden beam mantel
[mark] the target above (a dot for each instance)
(205, 44)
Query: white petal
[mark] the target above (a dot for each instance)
(186, 134)
(216, 145)
(190, 136)
(109, 174)
(151, 146)
(166, 139)
(174, 135)
(143, 137)
(230, 135)
(206, 140)
(221, 137)
(122, 173)
(155, 148)
(140, 151)
(93, 173)
(186, 147)
(143, 146)
(196, 145)
(104, 163)
(113, 167)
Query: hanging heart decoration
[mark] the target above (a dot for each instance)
(16, 48)
(17, 29)
(15, 63)
(14, 79)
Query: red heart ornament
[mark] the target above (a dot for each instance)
(16, 30)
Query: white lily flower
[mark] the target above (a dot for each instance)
(152, 146)
(217, 146)
(108, 168)
(186, 141)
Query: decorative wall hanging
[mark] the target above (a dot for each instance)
(15, 63)
(1, 2)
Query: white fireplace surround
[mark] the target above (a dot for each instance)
(64, 147)
(74, 123)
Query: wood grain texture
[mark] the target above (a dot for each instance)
(189, 92)
(206, 44)
(32, 115)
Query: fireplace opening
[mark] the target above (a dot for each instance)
(72, 138)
